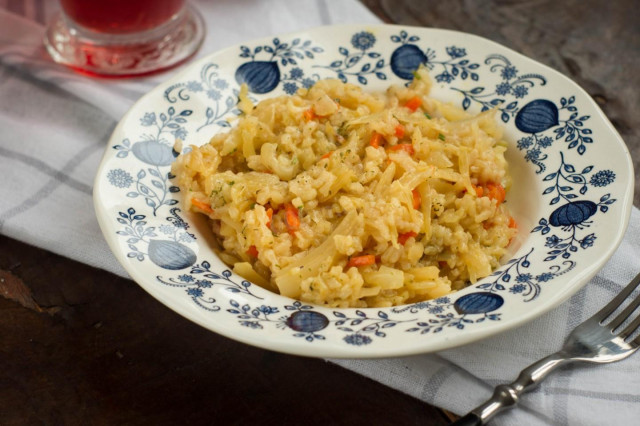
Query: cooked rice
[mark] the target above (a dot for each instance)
(423, 203)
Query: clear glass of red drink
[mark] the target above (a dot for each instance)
(124, 37)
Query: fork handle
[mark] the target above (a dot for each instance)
(506, 396)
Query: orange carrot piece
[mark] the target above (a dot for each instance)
(399, 130)
(292, 218)
(376, 140)
(253, 251)
(407, 147)
(417, 199)
(309, 114)
(495, 191)
(479, 190)
(327, 155)
(414, 103)
(202, 205)
(364, 260)
(269, 215)
(402, 238)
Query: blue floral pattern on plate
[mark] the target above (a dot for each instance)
(221, 95)
(512, 84)
(263, 76)
(581, 195)
(369, 63)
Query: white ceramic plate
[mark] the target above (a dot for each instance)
(571, 197)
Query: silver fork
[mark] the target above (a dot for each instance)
(591, 341)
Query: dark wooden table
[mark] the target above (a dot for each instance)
(81, 346)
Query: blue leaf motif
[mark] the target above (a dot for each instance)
(171, 254)
(477, 303)
(260, 76)
(537, 116)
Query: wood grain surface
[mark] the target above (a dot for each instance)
(80, 346)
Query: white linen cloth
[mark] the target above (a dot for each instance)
(56, 124)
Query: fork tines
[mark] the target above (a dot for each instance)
(611, 307)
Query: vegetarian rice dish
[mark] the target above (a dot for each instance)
(344, 198)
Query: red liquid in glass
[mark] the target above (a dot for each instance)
(121, 16)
